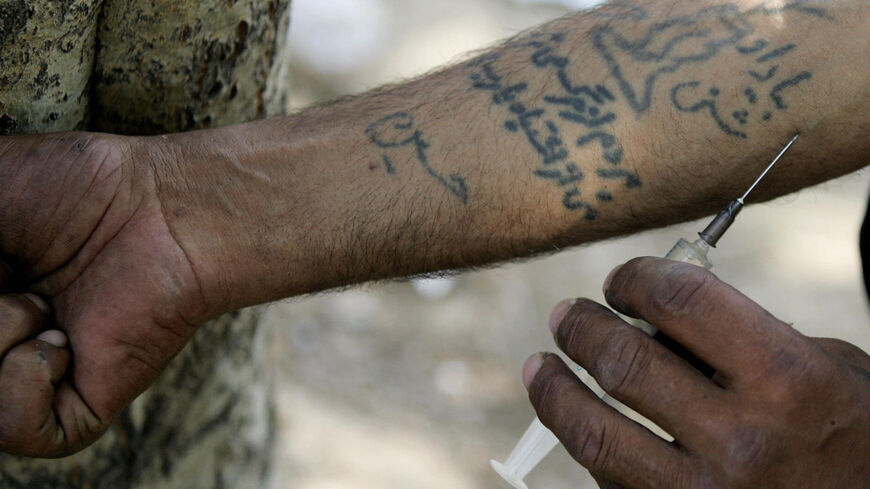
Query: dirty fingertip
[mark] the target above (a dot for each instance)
(609, 279)
(559, 313)
(531, 368)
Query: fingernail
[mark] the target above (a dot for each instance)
(38, 302)
(609, 279)
(53, 337)
(559, 313)
(531, 368)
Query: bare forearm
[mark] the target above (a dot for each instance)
(596, 125)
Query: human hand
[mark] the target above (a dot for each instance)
(81, 225)
(33, 361)
(782, 411)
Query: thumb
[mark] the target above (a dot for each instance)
(29, 371)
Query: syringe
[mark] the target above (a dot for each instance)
(538, 441)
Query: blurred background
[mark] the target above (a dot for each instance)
(417, 384)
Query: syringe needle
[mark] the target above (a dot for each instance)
(742, 200)
(714, 232)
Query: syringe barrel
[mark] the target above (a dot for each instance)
(696, 254)
(684, 251)
(691, 252)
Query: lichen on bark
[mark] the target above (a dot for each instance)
(140, 66)
(186, 64)
(46, 60)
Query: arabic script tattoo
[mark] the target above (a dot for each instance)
(579, 114)
(398, 131)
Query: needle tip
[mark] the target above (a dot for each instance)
(775, 161)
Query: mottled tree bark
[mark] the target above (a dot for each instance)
(140, 67)
(185, 64)
(46, 59)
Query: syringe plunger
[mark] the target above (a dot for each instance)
(535, 444)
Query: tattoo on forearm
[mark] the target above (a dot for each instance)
(578, 112)
(693, 97)
(672, 44)
(776, 92)
(776, 53)
(765, 77)
(667, 47)
(710, 104)
(585, 113)
(397, 131)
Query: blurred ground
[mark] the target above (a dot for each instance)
(416, 385)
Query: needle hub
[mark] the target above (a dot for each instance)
(720, 224)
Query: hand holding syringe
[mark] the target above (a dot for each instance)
(538, 441)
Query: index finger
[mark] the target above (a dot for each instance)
(600, 438)
(21, 317)
(713, 320)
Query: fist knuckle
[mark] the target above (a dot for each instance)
(623, 361)
(678, 289)
(798, 379)
(792, 363)
(748, 452)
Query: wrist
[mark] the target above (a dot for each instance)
(235, 202)
(187, 186)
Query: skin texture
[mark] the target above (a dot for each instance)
(135, 241)
(783, 410)
(489, 160)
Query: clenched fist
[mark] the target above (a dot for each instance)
(82, 227)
